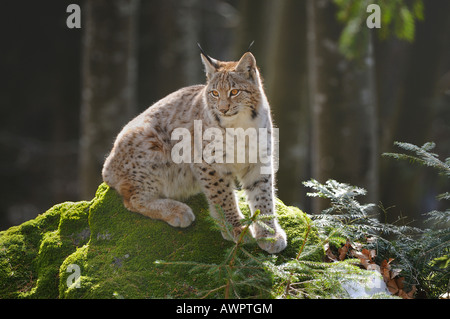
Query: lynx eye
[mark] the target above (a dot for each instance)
(234, 92)
(214, 93)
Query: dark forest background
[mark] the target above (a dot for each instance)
(65, 93)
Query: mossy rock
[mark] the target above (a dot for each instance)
(99, 249)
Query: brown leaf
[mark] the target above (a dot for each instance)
(366, 253)
(385, 270)
(386, 274)
(392, 286)
(401, 292)
(407, 295)
(329, 253)
(412, 292)
(343, 251)
(385, 264)
(399, 282)
(395, 272)
(362, 258)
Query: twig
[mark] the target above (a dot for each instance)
(288, 284)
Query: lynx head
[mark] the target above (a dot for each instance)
(233, 89)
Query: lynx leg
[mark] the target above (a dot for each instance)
(259, 191)
(220, 193)
(173, 212)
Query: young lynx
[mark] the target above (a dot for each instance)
(141, 165)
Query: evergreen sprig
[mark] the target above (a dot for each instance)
(420, 256)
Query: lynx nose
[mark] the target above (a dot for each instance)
(223, 108)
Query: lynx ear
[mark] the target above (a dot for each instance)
(247, 65)
(209, 63)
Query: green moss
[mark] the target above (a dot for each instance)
(115, 251)
(31, 254)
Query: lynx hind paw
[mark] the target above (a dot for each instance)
(274, 243)
(180, 216)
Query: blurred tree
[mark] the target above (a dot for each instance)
(39, 108)
(159, 52)
(109, 74)
(286, 74)
(413, 108)
(343, 108)
(255, 24)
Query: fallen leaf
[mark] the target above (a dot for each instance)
(385, 270)
(329, 253)
(362, 258)
(407, 295)
(402, 294)
(412, 292)
(399, 282)
(395, 272)
(385, 264)
(386, 274)
(392, 286)
(343, 251)
(366, 253)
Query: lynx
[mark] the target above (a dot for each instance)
(141, 169)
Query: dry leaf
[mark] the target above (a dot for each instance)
(362, 258)
(407, 295)
(402, 294)
(385, 270)
(386, 274)
(395, 272)
(392, 286)
(412, 292)
(399, 282)
(366, 253)
(343, 251)
(329, 253)
(385, 264)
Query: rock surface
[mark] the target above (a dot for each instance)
(99, 249)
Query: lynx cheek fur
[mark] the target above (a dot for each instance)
(140, 166)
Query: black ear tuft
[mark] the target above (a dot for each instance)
(205, 55)
(250, 46)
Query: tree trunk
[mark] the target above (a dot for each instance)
(343, 108)
(288, 95)
(108, 82)
(413, 109)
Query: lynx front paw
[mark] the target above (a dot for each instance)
(181, 216)
(273, 244)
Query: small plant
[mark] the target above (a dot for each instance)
(425, 258)
(300, 278)
(241, 273)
